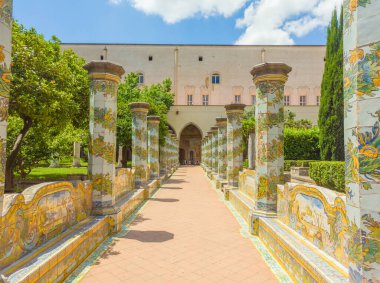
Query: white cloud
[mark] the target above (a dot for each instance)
(115, 2)
(276, 21)
(173, 11)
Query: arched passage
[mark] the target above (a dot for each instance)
(190, 145)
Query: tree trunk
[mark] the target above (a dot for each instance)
(11, 160)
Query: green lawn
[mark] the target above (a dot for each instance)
(54, 173)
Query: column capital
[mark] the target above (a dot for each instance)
(221, 122)
(214, 129)
(153, 119)
(104, 70)
(139, 107)
(234, 108)
(270, 72)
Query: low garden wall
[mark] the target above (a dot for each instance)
(40, 213)
(316, 213)
(124, 181)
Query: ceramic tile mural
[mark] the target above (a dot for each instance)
(124, 182)
(222, 147)
(362, 119)
(5, 79)
(153, 147)
(234, 143)
(269, 79)
(318, 214)
(38, 214)
(247, 183)
(139, 142)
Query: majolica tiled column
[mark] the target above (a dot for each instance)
(269, 79)
(105, 77)
(210, 145)
(6, 9)
(362, 137)
(162, 160)
(215, 144)
(234, 143)
(153, 147)
(221, 123)
(251, 149)
(174, 151)
(139, 142)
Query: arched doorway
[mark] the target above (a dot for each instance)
(190, 145)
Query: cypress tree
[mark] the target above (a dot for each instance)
(330, 120)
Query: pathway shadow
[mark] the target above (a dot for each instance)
(171, 188)
(173, 181)
(149, 236)
(108, 252)
(139, 218)
(164, 199)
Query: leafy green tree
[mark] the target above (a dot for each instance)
(159, 96)
(291, 122)
(331, 118)
(49, 90)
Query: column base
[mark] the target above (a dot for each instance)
(226, 191)
(254, 220)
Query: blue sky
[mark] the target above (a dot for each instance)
(179, 21)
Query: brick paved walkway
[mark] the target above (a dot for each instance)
(184, 234)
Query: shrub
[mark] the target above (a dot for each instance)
(329, 174)
(301, 144)
(296, 163)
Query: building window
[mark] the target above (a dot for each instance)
(205, 99)
(189, 99)
(302, 100)
(286, 100)
(318, 100)
(200, 58)
(141, 78)
(237, 98)
(150, 58)
(253, 99)
(215, 79)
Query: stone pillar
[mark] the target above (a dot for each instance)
(234, 143)
(163, 160)
(6, 9)
(221, 123)
(139, 142)
(174, 137)
(269, 79)
(215, 145)
(120, 157)
(153, 147)
(251, 149)
(362, 138)
(76, 154)
(105, 77)
(210, 145)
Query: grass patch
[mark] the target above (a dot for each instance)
(41, 173)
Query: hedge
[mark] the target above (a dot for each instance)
(296, 163)
(329, 174)
(301, 144)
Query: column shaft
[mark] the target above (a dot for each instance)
(105, 78)
(362, 138)
(269, 79)
(153, 147)
(222, 145)
(234, 143)
(215, 146)
(5, 63)
(139, 142)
